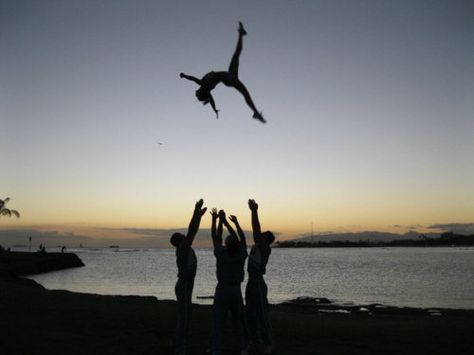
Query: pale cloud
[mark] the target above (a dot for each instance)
(458, 228)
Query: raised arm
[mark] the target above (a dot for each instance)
(195, 221)
(213, 227)
(257, 233)
(218, 240)
(191, 78)
(228, 226)
(240, 232)
(213, 104)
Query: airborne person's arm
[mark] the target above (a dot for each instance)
(213, 104)
(191, 78)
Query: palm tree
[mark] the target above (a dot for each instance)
(5, 211)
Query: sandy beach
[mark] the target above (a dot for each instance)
(39, 321)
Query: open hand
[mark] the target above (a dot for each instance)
(198, 207)
(221, 214)
(253, 205)
(199, 204)
(233, 219)
(214, 213)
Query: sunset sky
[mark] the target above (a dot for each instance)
(369, 104)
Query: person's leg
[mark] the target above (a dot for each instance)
(263, 315)
(219, 312)
(181, 324)
(248, 99)
(251, 311)
(234, 63)
(188, 310)
(238, 319)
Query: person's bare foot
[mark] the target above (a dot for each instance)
(242, 31)
(259, 116)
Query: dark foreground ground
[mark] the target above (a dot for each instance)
(38, 321)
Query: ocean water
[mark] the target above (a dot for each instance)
(416, 277)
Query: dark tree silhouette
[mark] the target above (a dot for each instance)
(6, 211)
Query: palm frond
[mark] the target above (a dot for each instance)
(5, 212)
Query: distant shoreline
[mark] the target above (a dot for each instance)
(445, 240)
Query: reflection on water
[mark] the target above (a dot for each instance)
(419, 277)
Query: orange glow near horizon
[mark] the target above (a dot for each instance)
(290, 220)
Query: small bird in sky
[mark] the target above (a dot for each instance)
(159, 143)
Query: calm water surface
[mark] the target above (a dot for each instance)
(419, 277)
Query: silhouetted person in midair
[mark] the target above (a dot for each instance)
(256, 291)
(229, 78)
(230, 262)
(187, 265)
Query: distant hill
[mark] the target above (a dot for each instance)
(374, 239)
(370, 236)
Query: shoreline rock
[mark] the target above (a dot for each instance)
(26, 263)
(315, 305)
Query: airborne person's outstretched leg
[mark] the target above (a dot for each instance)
(234, 62)
(243, 90)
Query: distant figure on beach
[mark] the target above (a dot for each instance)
(230, 262)
(256, 291)
(187, 265)
(229, 78)
(42, 248)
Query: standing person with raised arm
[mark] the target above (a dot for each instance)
(187, 265)
(230, 263)
(256, 291)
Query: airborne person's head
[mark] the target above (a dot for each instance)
(203, 95)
